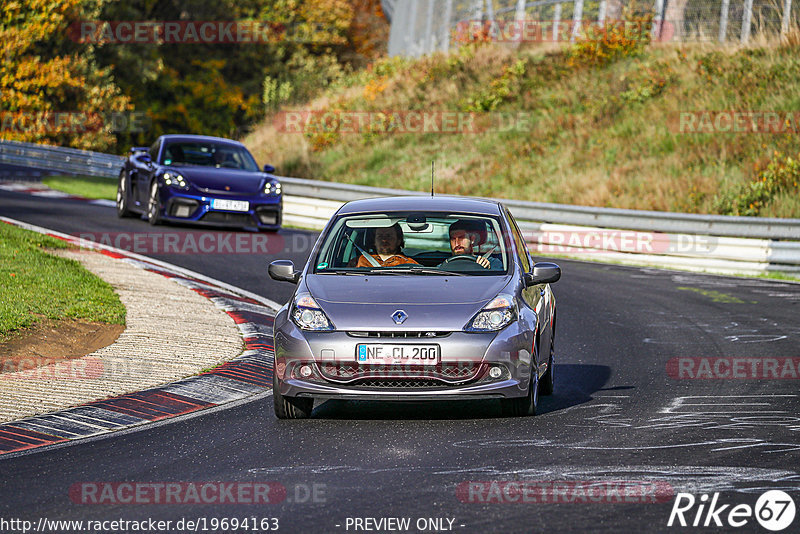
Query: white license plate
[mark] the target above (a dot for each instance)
(390, 354)
(229, 205)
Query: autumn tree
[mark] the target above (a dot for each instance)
(53, 90)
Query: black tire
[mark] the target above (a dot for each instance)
(527, 405)
(547, 383)
(290, 407)
(123, 209)
(154, 205)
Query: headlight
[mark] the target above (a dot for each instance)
(494, 316)
(308, 315)
(175, 180)
(272, 188)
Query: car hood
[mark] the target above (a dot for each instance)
(212, 179)
(431, 302)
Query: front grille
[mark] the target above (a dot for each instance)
(397, 384)
(223, 193)
(399, 334)
(441, 374)
(242, 219)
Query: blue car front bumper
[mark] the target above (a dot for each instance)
(264, 212)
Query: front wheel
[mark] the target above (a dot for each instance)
(526, 405)
(154, 205)
(290, 407)
(122, 196)
(547, 383)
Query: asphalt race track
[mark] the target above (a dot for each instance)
(626, 414)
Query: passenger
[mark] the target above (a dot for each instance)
(388, 244)
(463, 235)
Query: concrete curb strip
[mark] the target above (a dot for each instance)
(178, 325)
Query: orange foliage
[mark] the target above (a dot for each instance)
(44, 73)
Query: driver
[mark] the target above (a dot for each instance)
(463, 234)
(388, 244)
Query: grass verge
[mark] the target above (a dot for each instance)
(38, 284)
(92, 187)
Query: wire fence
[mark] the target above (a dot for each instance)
(420, 27)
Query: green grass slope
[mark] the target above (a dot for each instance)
(603, 127)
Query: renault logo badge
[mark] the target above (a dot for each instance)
(399, 316)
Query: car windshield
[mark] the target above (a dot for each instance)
(414, 243)
(220, 155)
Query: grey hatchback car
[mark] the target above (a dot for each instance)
(416, 298)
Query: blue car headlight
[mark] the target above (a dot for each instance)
(176, 180)
(307, 314)
(272, 189)
(496, 315)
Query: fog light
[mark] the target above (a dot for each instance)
(305, 371)
(495, 372)
(183, 211)
(267, 217)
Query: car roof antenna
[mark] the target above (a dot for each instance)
(432, 168)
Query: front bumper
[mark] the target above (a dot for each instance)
(463, 373)
(265, 212)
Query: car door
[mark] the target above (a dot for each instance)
(536, 297)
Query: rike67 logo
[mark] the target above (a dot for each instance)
(774, 510)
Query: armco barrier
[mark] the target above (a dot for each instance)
(59, 159)
(715, 243)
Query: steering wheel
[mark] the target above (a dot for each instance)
(461, 257)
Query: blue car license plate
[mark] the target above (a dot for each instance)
(229, 205)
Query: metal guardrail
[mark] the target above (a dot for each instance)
(60, 159)
(691, 251)
(703, 242)
(654, 221)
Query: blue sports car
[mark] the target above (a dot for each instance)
(199, 179)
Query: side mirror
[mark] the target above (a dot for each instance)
(283, 271)
(543, 273)
(269, 169)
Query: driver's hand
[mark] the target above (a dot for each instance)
(483, 262)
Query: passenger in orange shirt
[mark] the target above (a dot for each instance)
(388, 244)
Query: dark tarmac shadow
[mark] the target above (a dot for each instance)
(575, 385)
